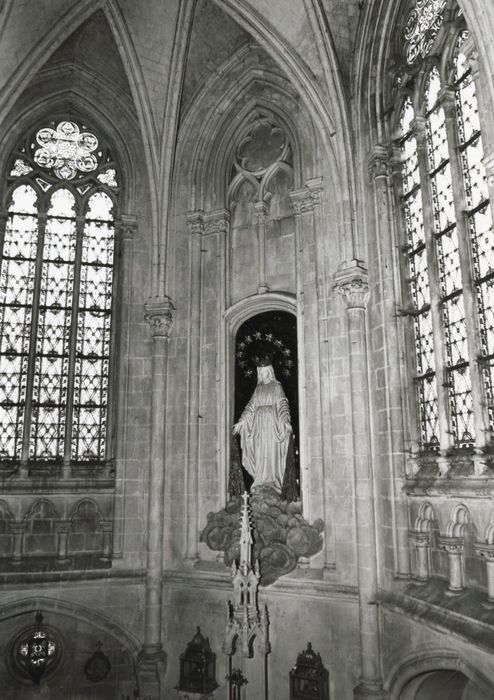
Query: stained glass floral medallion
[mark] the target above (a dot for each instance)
(66, 149)
(422, 25)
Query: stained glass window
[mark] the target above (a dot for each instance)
(449, 243)
(419, 283)
(56, 290)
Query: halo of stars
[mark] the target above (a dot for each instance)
(248, 351)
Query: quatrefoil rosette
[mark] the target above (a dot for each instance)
(66, 149)
(264, 145)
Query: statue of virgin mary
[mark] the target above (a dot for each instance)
(265, 430)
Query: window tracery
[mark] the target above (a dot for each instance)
(56, 287)
(448, 226)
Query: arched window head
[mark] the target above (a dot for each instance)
(448, 233)
(56, 290)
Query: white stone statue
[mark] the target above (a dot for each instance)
(264, 428)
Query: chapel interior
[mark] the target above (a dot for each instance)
(247, 349)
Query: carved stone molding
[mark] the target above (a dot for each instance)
(420, 539)
(216, 222)
(306, 199)
(484, 550)
(452, 545)
(379, 162)
(351, 281)
(126, 227)
(159, 313)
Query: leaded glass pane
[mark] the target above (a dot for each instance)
(429, 414)
(418, 279)
(424, 344)
(460, 396)
(16, 296)
(448, 258)
(414, 219)
(433, 87)
(52, 350)
(93, 332)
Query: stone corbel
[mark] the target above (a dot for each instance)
(351, 281)
(126, 227)
(378, 162)
(159, 313)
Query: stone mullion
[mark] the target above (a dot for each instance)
(261, 210)
(351, 282)
(32, 346)
(67, 451)
(379, 170)
(195, 223)
(125, 230)
(447, 98)
(434, 288)
(159, 314)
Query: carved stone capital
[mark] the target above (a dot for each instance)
(126, 227)
(419, 126)
(305, 200)
(419, 538)
(17, 527)
(62, 527)
(159, 313)
(195, 222)
(261, 209)
(452, 545)
(351, 281)
(484, 550)
(217, 222)
(447, 99)
(379, 162)
(106, 525)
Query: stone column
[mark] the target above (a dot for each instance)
(62, 529)
(485, 550)
(125, 230)
(17, 528)
(106, 550)
(390, 299)
(195, 222)
(261, 210)
(454, 546)
(314, 427)
(422, 542)
(351, 282)
(151, 660)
